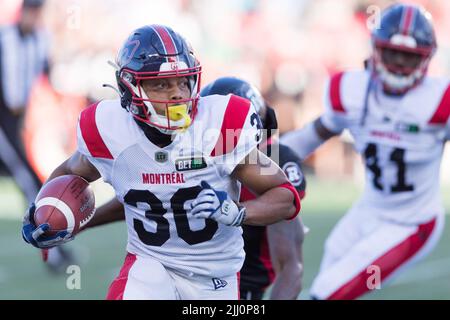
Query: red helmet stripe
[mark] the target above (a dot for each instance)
(407, 20)
(166, 39)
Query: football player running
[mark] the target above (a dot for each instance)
(273, 253)
(398, 118)
(176, 163)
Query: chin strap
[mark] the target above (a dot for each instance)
(106, 85)
(124, 99)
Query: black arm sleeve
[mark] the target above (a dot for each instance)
(290, 163)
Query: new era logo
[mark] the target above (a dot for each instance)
(219, 283)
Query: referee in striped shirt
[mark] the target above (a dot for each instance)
(23, 58)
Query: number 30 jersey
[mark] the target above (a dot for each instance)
(157, 185)
(401, 140)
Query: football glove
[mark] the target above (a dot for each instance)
(33, 234)
(213, 204)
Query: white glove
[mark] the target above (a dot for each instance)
(216, 205)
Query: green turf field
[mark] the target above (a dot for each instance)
(101, 251)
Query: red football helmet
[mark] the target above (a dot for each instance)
(157, 52)
(402, 47)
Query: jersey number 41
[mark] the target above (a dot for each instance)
(397, 157)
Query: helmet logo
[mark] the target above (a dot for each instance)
(129, 50)
(173, 66)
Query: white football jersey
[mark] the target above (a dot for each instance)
(157, 185)
(400, 138)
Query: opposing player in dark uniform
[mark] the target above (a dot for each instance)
(274, 252)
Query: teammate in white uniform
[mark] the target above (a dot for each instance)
(398, 118)
(176, 163)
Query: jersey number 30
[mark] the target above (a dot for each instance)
(156, 212)
(398, 157)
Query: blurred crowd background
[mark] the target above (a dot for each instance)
(287, 48)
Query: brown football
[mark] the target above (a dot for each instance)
(66, 203)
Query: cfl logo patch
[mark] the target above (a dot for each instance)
(219, 283)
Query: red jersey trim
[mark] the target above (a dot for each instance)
(335, 94)
(233, 121)
(91, 136)
(117, 287)
(443, 110)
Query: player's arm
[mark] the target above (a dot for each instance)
(332, 122)
(306, 140)
(285, 240)
(111, 211)
(79, 165)
(277, 199)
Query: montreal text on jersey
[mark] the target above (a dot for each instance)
(163, 178)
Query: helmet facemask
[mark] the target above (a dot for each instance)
(400, 76)
(178, 114)
(403, 45)
(156, 52)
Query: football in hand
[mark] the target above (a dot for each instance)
(66, 203)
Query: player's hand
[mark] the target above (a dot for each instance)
(213, 204)
(33, 234)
